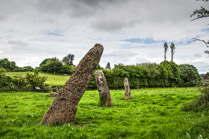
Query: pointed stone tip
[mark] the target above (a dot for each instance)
(98, 45)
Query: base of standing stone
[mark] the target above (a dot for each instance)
(108, 102)
(127, 97)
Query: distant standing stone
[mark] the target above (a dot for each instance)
(64, 106)
(127, 89)
(104, 93)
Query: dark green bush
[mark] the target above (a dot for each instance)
(18, 83)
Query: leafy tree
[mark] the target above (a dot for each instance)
(54, 65)
(171, 74)
(189, 75)
(154, 77)
(108, 66)
(8, 65)
(51, 65)
(165, 50)
(206, 75)
(44, 61)
(172, 46)
(68, 59)
(28, 68)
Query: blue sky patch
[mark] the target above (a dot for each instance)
(146, 41)
(54, 33)
(205, 30)
(151, 41)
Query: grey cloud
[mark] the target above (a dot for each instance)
(2, 16)
(18, 43)
(75, 8)
(112, 24)
(15, 7)
(19, 47)
(96, 3)
(53, 6)
(198, 55)
(109, 26)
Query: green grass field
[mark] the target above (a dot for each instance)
(150, 113)
(53, 80)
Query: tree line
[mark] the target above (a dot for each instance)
(11, 66)
(165, 74)
(48, 65)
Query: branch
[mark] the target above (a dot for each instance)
(203, 0)
(205, 42)
(200, 13)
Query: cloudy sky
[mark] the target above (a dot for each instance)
(131, 31)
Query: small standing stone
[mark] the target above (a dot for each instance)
(104, 93)
(127, 89)
(64, 106)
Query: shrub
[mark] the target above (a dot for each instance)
(4, 80)
(200, 104)
(19, 83)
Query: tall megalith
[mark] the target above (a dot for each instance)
(64, 106)
(104, 93)
(127, 89)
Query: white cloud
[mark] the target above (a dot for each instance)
(34, 30)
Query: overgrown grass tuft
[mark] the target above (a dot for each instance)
(150, 113)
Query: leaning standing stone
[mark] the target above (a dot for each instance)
(64, 106)
(127, 89)
(104, 93)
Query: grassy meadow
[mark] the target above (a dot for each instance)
(150, 113)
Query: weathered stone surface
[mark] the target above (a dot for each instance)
(104, 93)
(127, 89)
(64, 106)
